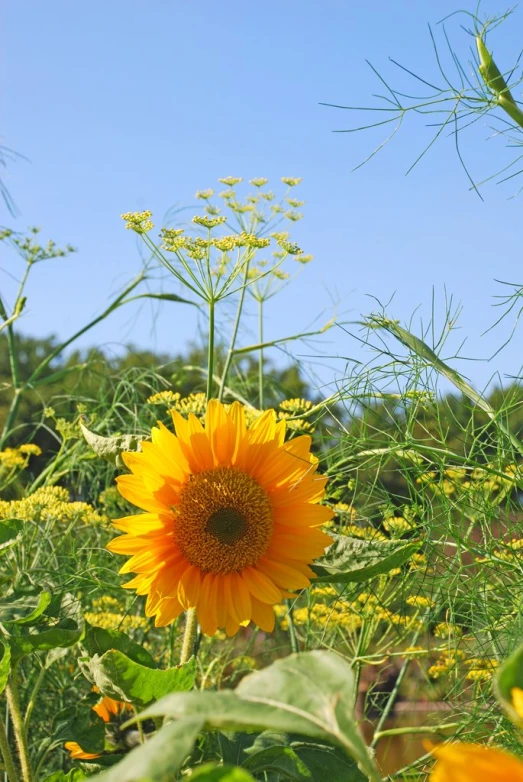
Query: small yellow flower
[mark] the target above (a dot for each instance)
(291, 181)
(418, 601)
(138, 221)
(259, 182)
(230, 181)
(209, 222)
(474, 763)
(205, 194)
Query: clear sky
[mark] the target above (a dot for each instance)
(130, 105)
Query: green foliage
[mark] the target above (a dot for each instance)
(354, 559)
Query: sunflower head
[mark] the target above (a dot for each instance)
(231, 518)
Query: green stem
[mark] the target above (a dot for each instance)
(210, 350)
(7, 757)
(32, 700)
(15, 402)
(292, 630)
(189, 636)
(419, 729)
(13, 700)
(260, 360)
(234, 335)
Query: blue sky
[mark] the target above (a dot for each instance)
(124, 106)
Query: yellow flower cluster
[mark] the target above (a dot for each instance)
(291, 181)
(164, 398)
(480, 668)
(116, 621)
(48, 503)
(418, 601)
(296, 406)
(296, 424)
(259, 182)
(447, 630)
(447, 662)
(194, 403)
(15, 458)
(209, 222)
(138, 221)
(398, 525)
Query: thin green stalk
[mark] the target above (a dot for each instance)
(9, 766)
(260, 360)
(234, 335)
(13, 700)
(189, 636)
(210, 351)
(15, 402)
(292, 630)
(32, 700)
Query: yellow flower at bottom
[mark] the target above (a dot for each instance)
(474, 763)
(230, 522)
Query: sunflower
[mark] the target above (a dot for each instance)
(108, 709)
(473, 762)
(231, 518)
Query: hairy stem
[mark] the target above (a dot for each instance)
(13, 700)
(7, 757)
(189, 636)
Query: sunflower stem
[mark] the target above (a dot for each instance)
(189, 636)
(13, 700)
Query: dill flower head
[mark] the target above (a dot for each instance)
(231, 518)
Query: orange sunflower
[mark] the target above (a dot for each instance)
(107, 708)
(231, 518)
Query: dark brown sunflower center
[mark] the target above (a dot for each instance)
(227, 525)
(223, 521)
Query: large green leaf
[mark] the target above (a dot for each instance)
(36, 605)
(65, 633)
(354, 559)
(311, 694)
(281, 760)
(97, 640)
(213, 773)
(9, 531)
(159, 756)
(80, 723)
(306, 760)
(5, 665)
(118, 676)
(510, 676)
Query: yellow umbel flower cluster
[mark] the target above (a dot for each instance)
(116, 621)
(18, 458)
(48, 503)
(164, 398)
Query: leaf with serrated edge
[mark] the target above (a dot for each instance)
(310, 693)
(354, 559)
(117, 676)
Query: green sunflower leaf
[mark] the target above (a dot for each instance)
(111, 448)
(354, 559)
(98, 640)
(65, 633)
(120, 677)
(311, 694)
(81, 724)
(161, 755)
(213, 773)
(40, 603)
